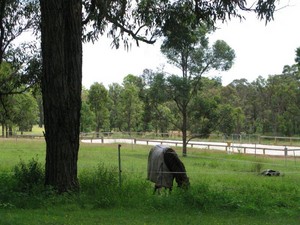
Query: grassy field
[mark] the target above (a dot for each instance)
(225, 189)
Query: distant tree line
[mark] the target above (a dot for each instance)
(143, 103)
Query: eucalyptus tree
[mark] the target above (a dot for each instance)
(257, 110)
(159, 106)
(25, 111)
(131, 107)
(115, 111)
(234, 97)
(295, 68)
(16, 18)
(229, 95)
(204, 116)
(245, 95)
(6, 98)
(64, 24)
(87, 119)
(283, 96)
(98, 100)
(277, 101)
(230, 119)
(297, 58)
(135, 80)
(6, 115)
(147, 85)
(189, 50)
(284, 99)
(37, 94)
(15, 109)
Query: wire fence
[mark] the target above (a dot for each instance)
(221, 165)
(232, 146)
(288, 152)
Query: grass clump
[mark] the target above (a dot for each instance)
(29, 176)
(100, 186)
(24, 187)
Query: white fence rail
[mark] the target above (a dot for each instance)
(228, 147)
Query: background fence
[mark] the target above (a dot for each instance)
(234, 138)
(229, 145)
(235, 147)
(235, 143)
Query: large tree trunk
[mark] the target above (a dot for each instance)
(61, 88)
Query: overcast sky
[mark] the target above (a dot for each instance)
(260, 50)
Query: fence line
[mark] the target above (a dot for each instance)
(227, 147)
(255, 138)
(237, 138)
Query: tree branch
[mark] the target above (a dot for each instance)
(134, 35)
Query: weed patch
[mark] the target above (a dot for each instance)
(101, 186)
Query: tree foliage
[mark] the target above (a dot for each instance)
(25, 111)
(98, 101)
(115, 110)
(87, 119)
(189, 50)
(146, 20)
(131, 107)
(16, 18)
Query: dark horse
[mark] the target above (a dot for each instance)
(164, 166)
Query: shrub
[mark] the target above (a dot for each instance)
(6, 193)
(29, 177)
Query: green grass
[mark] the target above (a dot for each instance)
(129, 216)
(12, 150)
(225, 189)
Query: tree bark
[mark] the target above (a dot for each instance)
(61, 89)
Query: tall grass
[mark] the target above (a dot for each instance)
(219, 183)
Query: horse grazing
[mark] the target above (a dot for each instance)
(163, 166)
